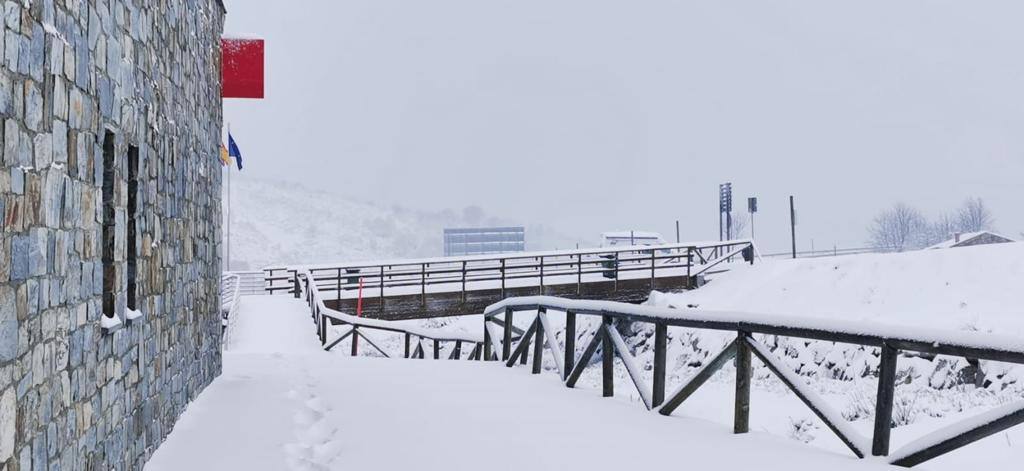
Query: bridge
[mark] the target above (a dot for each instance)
(452, 286)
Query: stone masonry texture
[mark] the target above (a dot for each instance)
(147, 72)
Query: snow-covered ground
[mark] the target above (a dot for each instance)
(282, 404)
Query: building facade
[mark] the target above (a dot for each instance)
(483, 240)
(110, 234)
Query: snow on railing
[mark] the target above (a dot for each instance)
(500, 344)
(564, 267)
(252, 282)
(324, 317)
(230, 293)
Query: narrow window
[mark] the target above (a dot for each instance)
(133, 190)
(109, 273)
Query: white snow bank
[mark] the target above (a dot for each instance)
(966, 289)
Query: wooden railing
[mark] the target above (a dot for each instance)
(230, 293)
(325, 317)
(539, 269)
(500, 344)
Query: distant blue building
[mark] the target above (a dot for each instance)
(484, 240)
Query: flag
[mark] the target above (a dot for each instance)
(242, 68)
(224, 158)
(234, 152)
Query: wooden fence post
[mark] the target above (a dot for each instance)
(323, 330)
(689, 268)
(382, 289)
(506, 344)
(538, 343)
(744, 372)
(884, 400)
(660, 347)
(487, 341)
(437, 350)
(570, 343)
(407, 339)
(423, 284)
(463, 281)
(653, 264)
(579, 274)
(607, 359)
(525, 357)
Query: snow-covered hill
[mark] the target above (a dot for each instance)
(276, 222)
(967, 288)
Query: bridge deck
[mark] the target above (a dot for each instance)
(284, 406)
(452, 286)
(454, 302)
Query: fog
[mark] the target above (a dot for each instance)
(600, 115)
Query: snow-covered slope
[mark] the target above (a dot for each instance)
(968, 288)
(276, 222)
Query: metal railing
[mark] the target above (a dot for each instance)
(833, 252)
(540, 269)
(499, 343)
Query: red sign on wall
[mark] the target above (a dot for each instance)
(242, 68)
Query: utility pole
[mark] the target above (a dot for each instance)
(752, 208)
(792, 224)
(677, 232)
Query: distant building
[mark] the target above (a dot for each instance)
(484, 240)
(968, 239)
(627, 238)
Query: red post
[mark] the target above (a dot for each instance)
(359, 301)
(359, 313)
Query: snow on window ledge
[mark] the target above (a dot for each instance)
(132, 315)
(110, 324)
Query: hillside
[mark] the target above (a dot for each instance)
(281, 222)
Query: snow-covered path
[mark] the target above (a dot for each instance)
(295, 407)
(272, 324)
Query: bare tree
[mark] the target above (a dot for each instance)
(740, 221)
(943, 228)
(974, 216)
(898, 229)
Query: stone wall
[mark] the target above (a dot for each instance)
(73, 395)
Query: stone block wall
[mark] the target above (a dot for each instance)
(74, 396)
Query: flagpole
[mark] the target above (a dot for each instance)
(229, 207)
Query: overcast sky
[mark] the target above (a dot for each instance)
(594, 115)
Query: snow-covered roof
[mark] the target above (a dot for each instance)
(966, 237)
